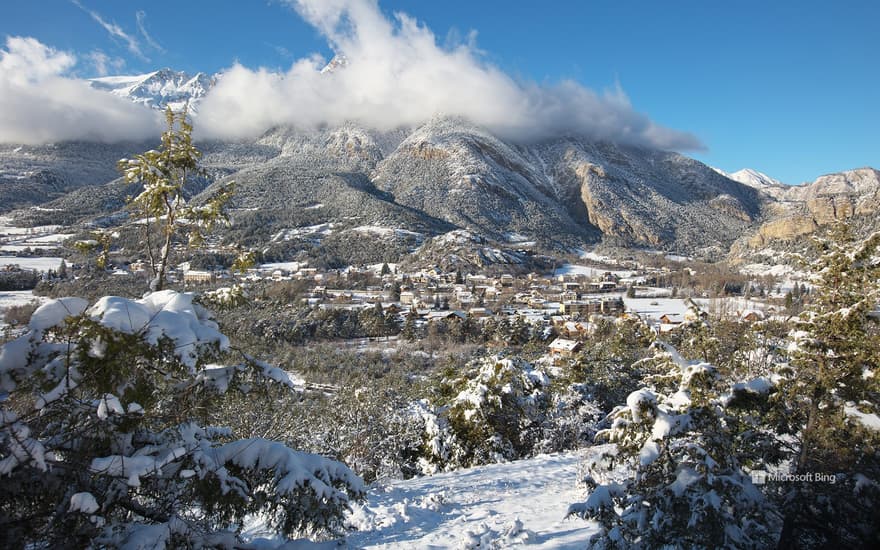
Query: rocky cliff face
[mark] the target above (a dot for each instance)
(654, 198)
(835, 197)
(456, 172)
(566, 190)
(448, 174)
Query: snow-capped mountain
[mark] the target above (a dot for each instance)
(753, 178)
(339, 61)
(159, 89)
(449, 174)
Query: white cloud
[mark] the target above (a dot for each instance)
(114, 30)
(141, 17)
(38, 104)
(103, 63)
(27, 60)
(398, 75)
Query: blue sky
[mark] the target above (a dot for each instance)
(788, 88)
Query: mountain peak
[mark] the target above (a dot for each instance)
(159, 89)
(339, 61)
(754, 178)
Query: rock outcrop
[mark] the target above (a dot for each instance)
(803, 209)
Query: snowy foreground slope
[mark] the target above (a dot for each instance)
(493, 506)
(498, 505)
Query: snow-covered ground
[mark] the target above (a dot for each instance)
(37, 263)
(16, 239)
(654, 308)
(318, 232)
(10, 298)
(678, 258)
(730, 304)
(494, 506)
(597, 257)
(573, 269)
(387, 231)
(776, 270)
(286, 266)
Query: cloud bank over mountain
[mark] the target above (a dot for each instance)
(38, 104)
(397, 75)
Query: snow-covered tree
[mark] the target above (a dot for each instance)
(688, 489)
(99, 246)
(608, 365)
(370, 428)
(106, 437)
(490, 412)
(500, 408)
(830, 403)
(163, 173)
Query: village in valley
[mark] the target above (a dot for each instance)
(365, 281)
(562, 304)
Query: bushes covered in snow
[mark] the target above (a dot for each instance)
(828, 398)
(501, 409)
(804, 409)
(105, 436)
(688, 488)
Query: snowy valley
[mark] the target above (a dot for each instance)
(420, 297)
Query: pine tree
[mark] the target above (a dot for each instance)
(390, 325)
(496, 409)
(106, 435)
(689, 489)
(164, 173)
(372, 320)
(830, 402)
(100, 243)
(395, 292)
(408, 332)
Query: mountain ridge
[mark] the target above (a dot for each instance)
(159, 89)
(449, 174)
(754, 178)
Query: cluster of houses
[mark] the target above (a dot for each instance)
(290, 271)
(569, 303)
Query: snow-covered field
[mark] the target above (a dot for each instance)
(573, 269)
(494, 506)
(654, 308)
(10, 298)
(287, 266)
(38, 263)
(776, 270)
(730, 304)
(597, 257)
(14, 239)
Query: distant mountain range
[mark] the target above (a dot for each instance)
(159, 89)
(752, 178)
(407, 187)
